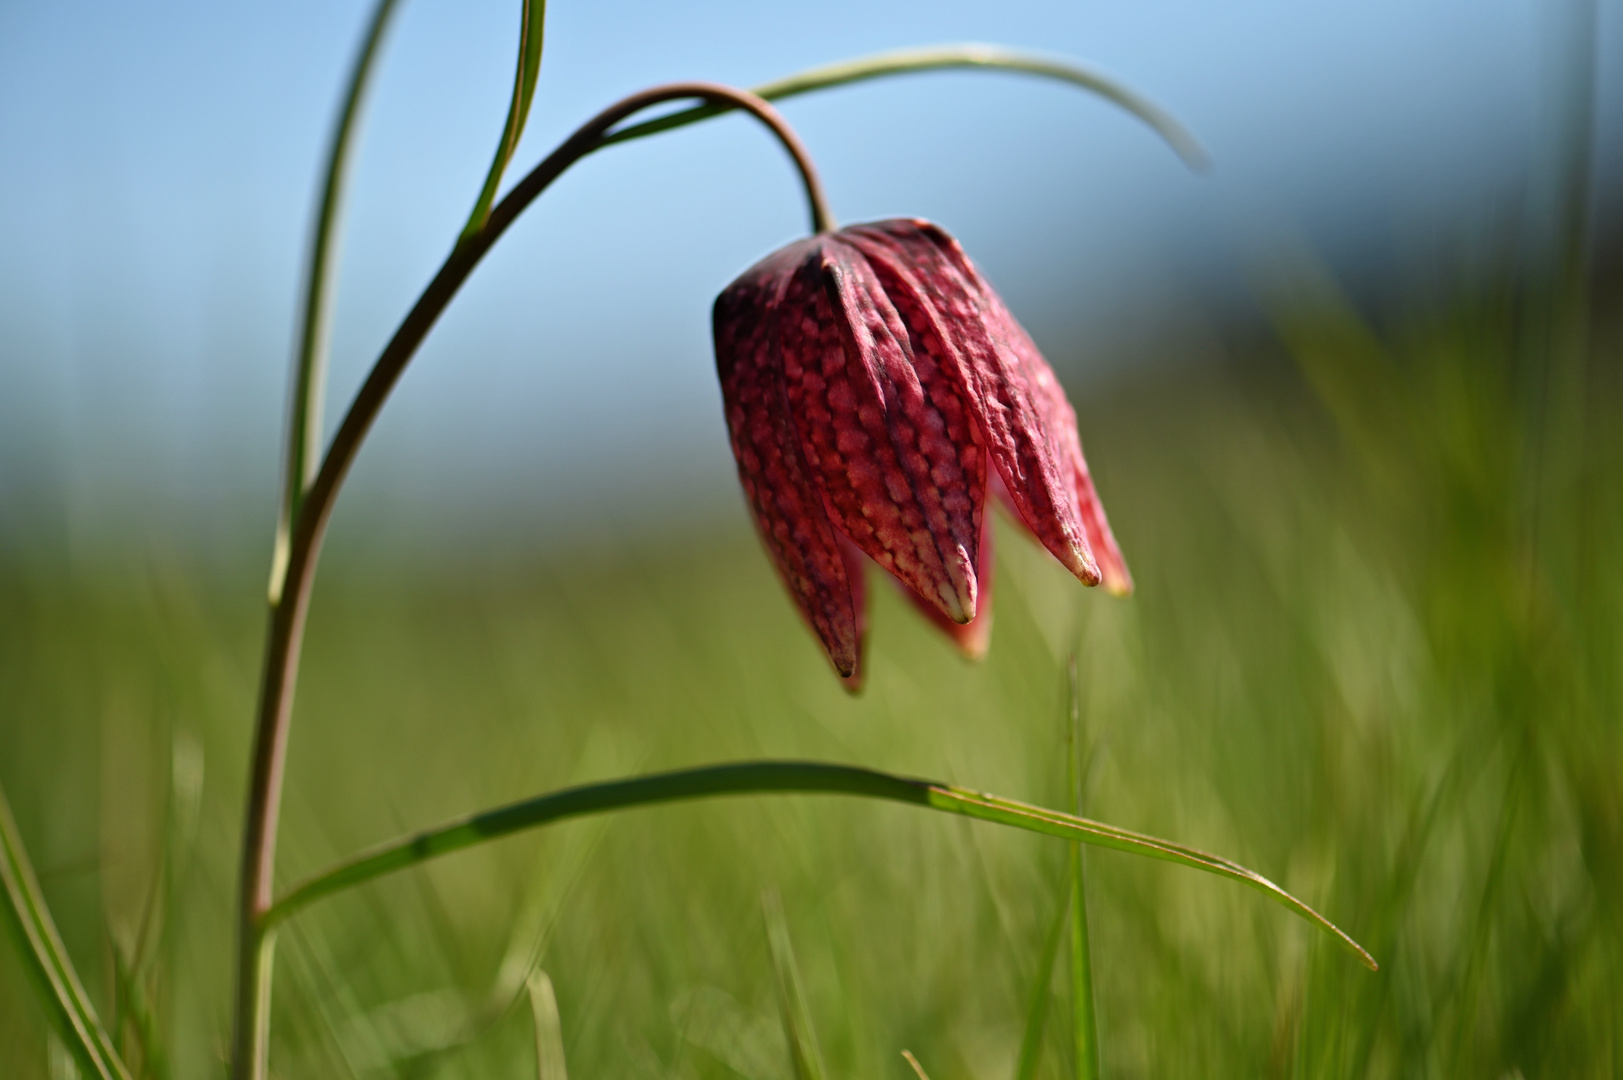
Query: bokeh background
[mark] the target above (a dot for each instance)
(1350, 407)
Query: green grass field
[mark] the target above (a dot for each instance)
(1373, 654)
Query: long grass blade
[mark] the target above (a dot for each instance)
(29, 923)
(946, 57)
(315, 317)
(1031, 1041)
(805, 1056)
(549, 1030)
(1084, 1018)
(1053, 823)
(530, 36)
(773, 777)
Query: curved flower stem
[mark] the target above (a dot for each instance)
(941, 58)
(771, 777)
(303, 449)
(290, 606)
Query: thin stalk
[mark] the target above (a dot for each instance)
(532, 23)
(315, 317)
(290, 607)
(799, 1033)
(1031, 1042)
(1084, 1020)
(762, 778)
(947, 57)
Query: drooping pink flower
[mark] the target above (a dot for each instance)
(876, 388)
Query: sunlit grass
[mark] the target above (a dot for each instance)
(1365, 657)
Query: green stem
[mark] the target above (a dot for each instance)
(1031, 1043)
(1085, 1023)
(770, 777)
(531, 25)
(941, 58)
(290, 606)
(315, 318)
(1084, 1019)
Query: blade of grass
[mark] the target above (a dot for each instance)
(1084, 1021)
(804, 1053)
(46, 959)
(946, 57)
(549, 1032)
(530, 35)
(154, 1058)
(772, 777)
(310, 366)
(1053, 823)
(1031, 1042)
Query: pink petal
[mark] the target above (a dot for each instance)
(785, 503)
(875, 442)
(974, 637)
(855, 573)
(1061, 422)
(1009, 385)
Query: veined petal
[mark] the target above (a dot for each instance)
(1062, 421)
(856, 565)
(875, 442)
(1061, 418)
(974, 637)
(1009, 386)
(782, 498)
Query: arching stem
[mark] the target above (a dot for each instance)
(290, 604)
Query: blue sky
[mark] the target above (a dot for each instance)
(157, 165)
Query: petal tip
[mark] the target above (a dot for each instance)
(1119, 582)
(975, 639)
(1080, 561)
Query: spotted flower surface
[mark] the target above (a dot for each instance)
(876, 388)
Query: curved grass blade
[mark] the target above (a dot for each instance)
(315, 317)
(918, 1070)
(947, 57)
(1053, 823)
(530, 35)
(772, 777)
(805, 1055)
(46, 960)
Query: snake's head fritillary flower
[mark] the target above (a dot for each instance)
(876, 389)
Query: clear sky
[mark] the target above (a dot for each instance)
(157, 163)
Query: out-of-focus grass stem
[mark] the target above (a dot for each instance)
(1031, 1041)
(1084, 1019)
(24, 915)
(799, 1033)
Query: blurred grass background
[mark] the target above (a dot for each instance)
(1373, 654)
